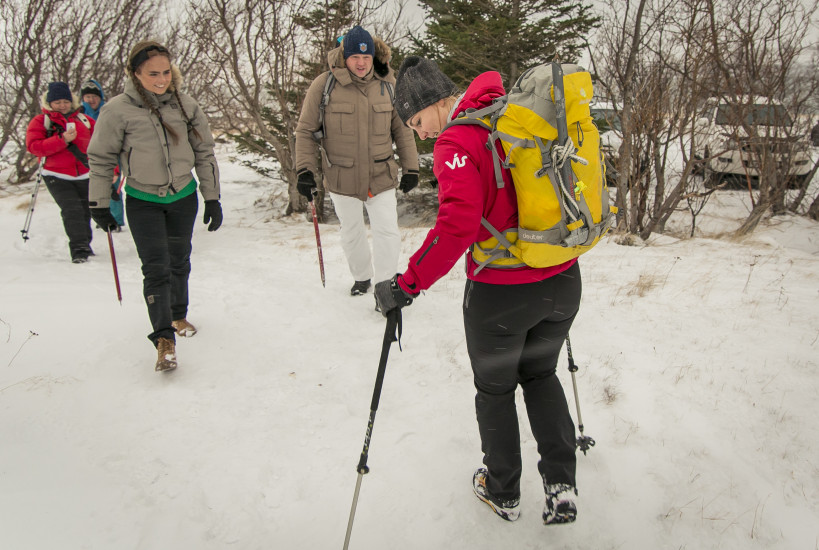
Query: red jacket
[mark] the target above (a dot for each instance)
(58, 158)
(466, 191)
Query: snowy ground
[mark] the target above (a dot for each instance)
(698, 381)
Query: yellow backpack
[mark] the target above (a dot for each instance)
(552, 149)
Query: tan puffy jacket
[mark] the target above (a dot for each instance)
(128, 134)
(360, 126)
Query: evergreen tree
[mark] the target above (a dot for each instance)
(468, 37)
(325, 24)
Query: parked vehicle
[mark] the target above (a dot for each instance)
(738, 138)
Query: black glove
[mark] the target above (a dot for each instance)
(388, 295)
(306, 184)
(213, 214)
(409, 181)
(114, 193)
(104, 219)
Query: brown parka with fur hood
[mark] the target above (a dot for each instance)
(360, 126)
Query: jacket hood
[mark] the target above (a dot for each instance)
(381, 59)
(91, 83)
(75, 102)
(480, 92)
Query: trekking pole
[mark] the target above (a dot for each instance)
(114, 265)
(584, 442)
(318, 236)
(391, 334)
(30, 212)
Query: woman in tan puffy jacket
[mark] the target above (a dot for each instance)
(157, 135)
(359, 167)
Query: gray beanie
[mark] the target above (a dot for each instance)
(420, 83)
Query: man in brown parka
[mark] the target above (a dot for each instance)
(358, 163)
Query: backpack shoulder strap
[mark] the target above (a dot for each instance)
(479, 117)
(318, 135)
(84, 120)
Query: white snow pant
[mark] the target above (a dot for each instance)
(383, 214)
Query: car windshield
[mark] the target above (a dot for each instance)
(753, 115)
(606, 119)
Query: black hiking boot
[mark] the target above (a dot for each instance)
(360, 288)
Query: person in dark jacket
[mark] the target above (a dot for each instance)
(93, 98)
(515, 319)
(157, 135)
(61, 134)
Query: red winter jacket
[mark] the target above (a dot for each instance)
(58, 158)
(466, 191)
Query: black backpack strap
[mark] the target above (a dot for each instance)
(318, 135)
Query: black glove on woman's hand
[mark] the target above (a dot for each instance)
(306, 185)
(388, 295)
(104, 219)
(409, 181)
(213, 214)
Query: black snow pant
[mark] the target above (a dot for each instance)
(514, 334)
(72, 198)
(162, 235)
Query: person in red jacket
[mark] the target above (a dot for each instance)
(515, 319)
(61, 134)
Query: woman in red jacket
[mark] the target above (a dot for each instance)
(515, 319)
(61, 135)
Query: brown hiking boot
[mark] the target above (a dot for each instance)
(165, 354)
(184, 328)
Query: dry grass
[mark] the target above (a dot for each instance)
(645, 283)
(610, 394)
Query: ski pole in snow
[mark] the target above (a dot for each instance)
(318, 236)
(114, 265)
(30, 213)
(391, 334)
(584, 442)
